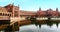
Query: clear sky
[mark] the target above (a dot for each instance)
(33, 5)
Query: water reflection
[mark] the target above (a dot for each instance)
(49, 23)
(57, 24)
(41, 26)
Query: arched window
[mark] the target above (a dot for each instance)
(0, 13)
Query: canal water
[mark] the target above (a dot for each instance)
(41, 27)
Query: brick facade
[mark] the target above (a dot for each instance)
(16, 12)
(48, 12)
(13, 11)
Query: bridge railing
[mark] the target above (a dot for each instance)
(4, 17)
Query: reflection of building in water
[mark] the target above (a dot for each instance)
(40, 25)
(57, 24)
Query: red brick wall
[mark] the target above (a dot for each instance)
(44, 13)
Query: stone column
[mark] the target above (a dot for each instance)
(13, 11)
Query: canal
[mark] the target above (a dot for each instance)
(41, 26)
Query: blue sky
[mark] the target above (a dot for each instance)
(33, 5)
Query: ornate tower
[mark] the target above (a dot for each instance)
(13, 10)
(56, 9)
(39, 9)
(18, 11)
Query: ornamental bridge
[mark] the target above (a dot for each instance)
(12, 23)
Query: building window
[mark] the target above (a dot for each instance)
(0, 13)
(16, 15)
(8, 14)
(5, 14)
(9, 10)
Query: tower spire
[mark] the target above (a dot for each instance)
(12, 3)
(56, 9)
(12, 9)
(18, 11)
(39, 9)
(18, 5)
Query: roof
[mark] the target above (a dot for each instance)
(27, 12)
